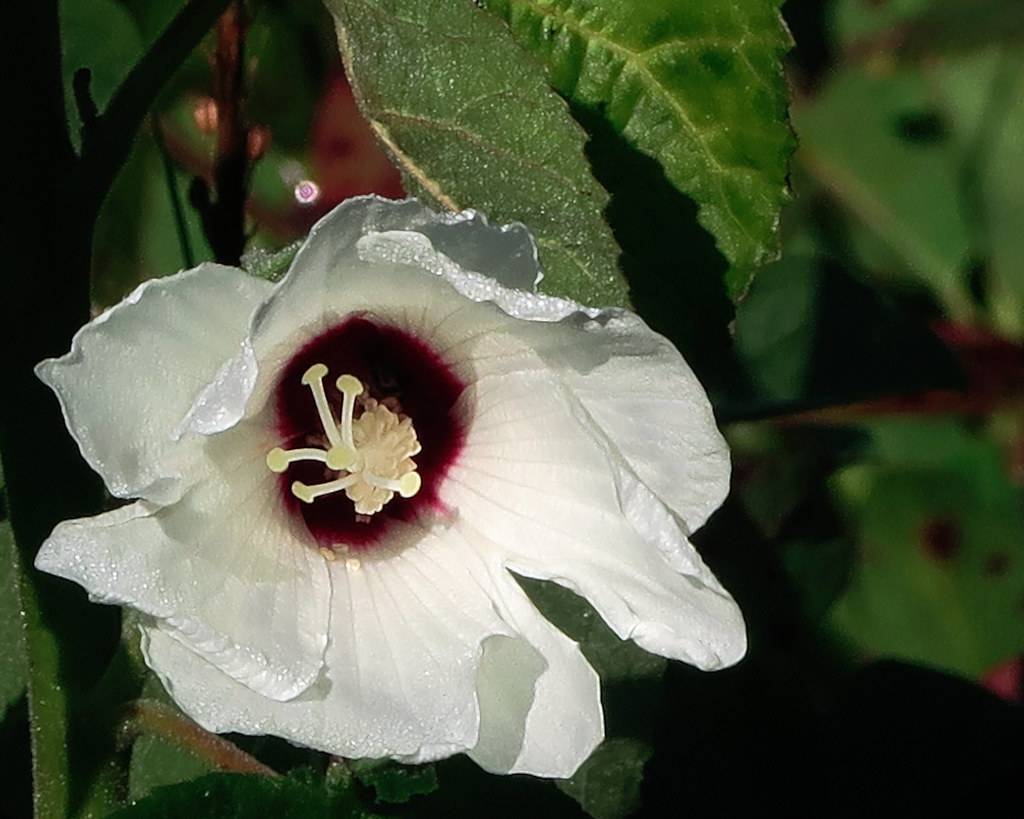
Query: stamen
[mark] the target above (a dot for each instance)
(308, 494)
(351, 387)
(407, 486)
(387, 443)
(278, 459)
(314, 379)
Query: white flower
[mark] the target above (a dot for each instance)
(335, 475)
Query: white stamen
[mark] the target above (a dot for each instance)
(407, 486)
(351, 387)
(308, 494)
(314, 379)
(387, 442)
(278, 459)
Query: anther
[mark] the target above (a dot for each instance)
(314, 379)
(407, 486)
(341, 457)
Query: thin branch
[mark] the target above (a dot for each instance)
(152, 717)
(224, 216)
(110, 138)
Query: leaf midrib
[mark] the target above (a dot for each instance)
(635, 59)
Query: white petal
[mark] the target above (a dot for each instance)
(221, 569)
(634, 383)
(414, 636)
(506, 253)
(541, 486)
(650, 406)
(132, 374)
(547, 729)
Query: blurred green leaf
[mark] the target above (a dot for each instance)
(469, 119)
(392, 782)
(608, 784)
(820, 571)
(14, 664)
(697, 86)
(135, 236)
(876, 142)
(239, 796)
(854, 21)
(287, 75)
(776, 326)
(983, 97)
(810, 334)
(1003, 192)
(939, 524)
(915, 29)
(102, 36)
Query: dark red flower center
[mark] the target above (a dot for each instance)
(402, 378)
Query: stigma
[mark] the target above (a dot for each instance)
(369, 458)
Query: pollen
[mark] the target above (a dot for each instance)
(372, 454)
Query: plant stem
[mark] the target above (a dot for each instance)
(46, 301)
(224, 212)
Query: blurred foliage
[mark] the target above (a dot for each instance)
(939, 527)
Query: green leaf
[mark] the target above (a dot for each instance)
(875, 142)
(392, 782)
(471, 122)
(696, 85)
(608, 784)
(939, 524)
(238, 796)
(102, 36)
(157, 763)
(14, 665)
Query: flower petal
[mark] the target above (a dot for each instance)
(414, 635)
(633, 382)
(649, 405)
(548, 728)
(221, 569)
(132, 374)
(556, 501)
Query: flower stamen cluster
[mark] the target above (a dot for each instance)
(374, 451)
